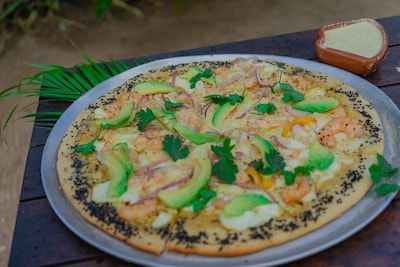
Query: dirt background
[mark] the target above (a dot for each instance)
(159, 30)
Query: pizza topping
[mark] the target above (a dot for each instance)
(352, 127)
(316, 105)
(150, 88)
(241, 203)
(145, 117)
(125, 117)
(225, 168)
(173, 146)
(184, 196)
(119, 168)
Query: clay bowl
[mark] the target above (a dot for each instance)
(351, 61)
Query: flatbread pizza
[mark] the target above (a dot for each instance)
(220, 158)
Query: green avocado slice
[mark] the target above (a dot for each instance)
(125, 116)
(222, 113)
(197, 138)
(316, 105)
(242, 203)
(150, 88)
(119, 169)
(184, 196)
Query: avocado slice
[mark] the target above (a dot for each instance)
(165, 117)
(242, 203)
(196, 138)
(222, 113)
(264, 146)
(316, 105)
(319, 157)
(119, 168)
(196, 71)
(184, 196)
(150, 88)
(125, 116)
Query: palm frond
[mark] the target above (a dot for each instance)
(61, 84)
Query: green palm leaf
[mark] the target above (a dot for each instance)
(58, 83)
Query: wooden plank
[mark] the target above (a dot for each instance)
(41, 238)
(32, 184)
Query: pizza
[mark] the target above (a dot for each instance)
(220, 158)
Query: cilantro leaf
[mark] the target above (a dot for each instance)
(265, 108)
(173, 146)
(171, 105)
(145, 117)
(294, 96)
(204, 197)
(383, 170)
(225, 169)
(275, 162)
(207, 73)
(290, 177)
(88, 147)
(222, 99)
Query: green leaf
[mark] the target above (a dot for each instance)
(265, 108)
(145, 117)
(88, 147)
(292, 96)
(172, 105)
(173, 146)
(385, 189)
(222, 99)
(225, 169)
(204, 198)
(207, 73)
(380, 172)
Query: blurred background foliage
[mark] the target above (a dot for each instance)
(20, 16)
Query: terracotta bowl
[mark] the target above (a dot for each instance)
(352, 62)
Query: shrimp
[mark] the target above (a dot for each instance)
(138, 211)
(114, 108)
(337, 112)
(189, 118)
(293, 193)
(154, 144)
(352, 127)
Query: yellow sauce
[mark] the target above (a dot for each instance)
(361, 38)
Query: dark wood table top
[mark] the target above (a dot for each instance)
(41, 239)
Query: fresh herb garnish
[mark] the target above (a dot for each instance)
(225, 169)
(204, 197)
(207, 73)
(290, 177)
(169, 105)
(145, 117)
(222, 99)
(294, 96)
(173, 146)
(290, 94)
(275, 163)
(383, 170)
(88, 147)
(265, 108)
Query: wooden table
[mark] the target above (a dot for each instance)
(41, 239)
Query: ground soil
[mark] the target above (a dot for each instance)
(122, 35)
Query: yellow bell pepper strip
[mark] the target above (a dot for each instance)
(300, 120)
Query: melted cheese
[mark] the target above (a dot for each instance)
(99, 194)
(252, 218)
(361, 38)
